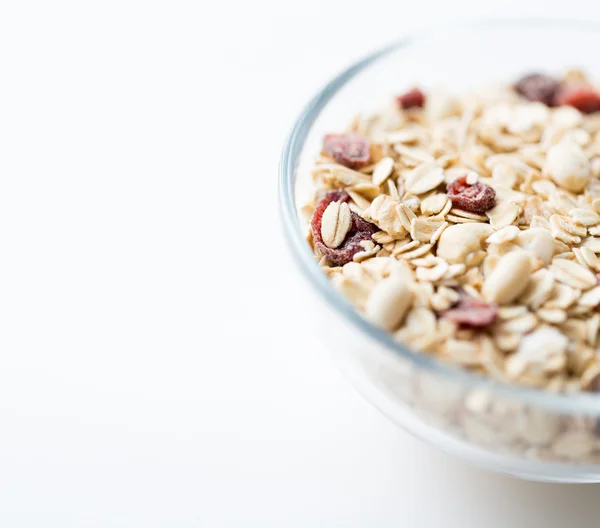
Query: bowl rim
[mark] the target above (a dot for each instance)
(587, 403)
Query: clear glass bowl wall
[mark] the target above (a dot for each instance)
(523, 432)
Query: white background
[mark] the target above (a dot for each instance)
(157, 364)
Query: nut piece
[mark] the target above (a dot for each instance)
(459, 241)
(568, 166)
(539, 241)
(388, 302)
(335, 224)
(509, 278)
(540, 353)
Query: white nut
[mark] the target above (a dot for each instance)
(388, 302)
(335, 223)
(509, 278)
(459, 241)
(568, 166)
(539, 241)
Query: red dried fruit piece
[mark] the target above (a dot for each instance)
(359, 231)
(476, 198)
(598, 279)
(580, 96)
(538, 87)
(412, 99)
(350, 150)
(472, 312)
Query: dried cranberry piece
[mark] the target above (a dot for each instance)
(360, 230)
(476, 198)
(538, 87)
(472, 312)
(580, 96)
(412, 99)
(350, 150)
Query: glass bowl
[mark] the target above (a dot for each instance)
(520, 431)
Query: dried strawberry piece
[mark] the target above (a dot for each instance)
(472, 312)
(359, 231)
(580, 96)
(538, 87)
(476, 198)
(598, 279)
(414, 98)
(350, 150)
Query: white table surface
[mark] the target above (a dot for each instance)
(157, 364)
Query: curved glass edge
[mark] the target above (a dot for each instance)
(572, 403)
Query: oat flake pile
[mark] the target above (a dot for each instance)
(469, 227)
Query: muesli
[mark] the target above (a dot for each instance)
(469, 226)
